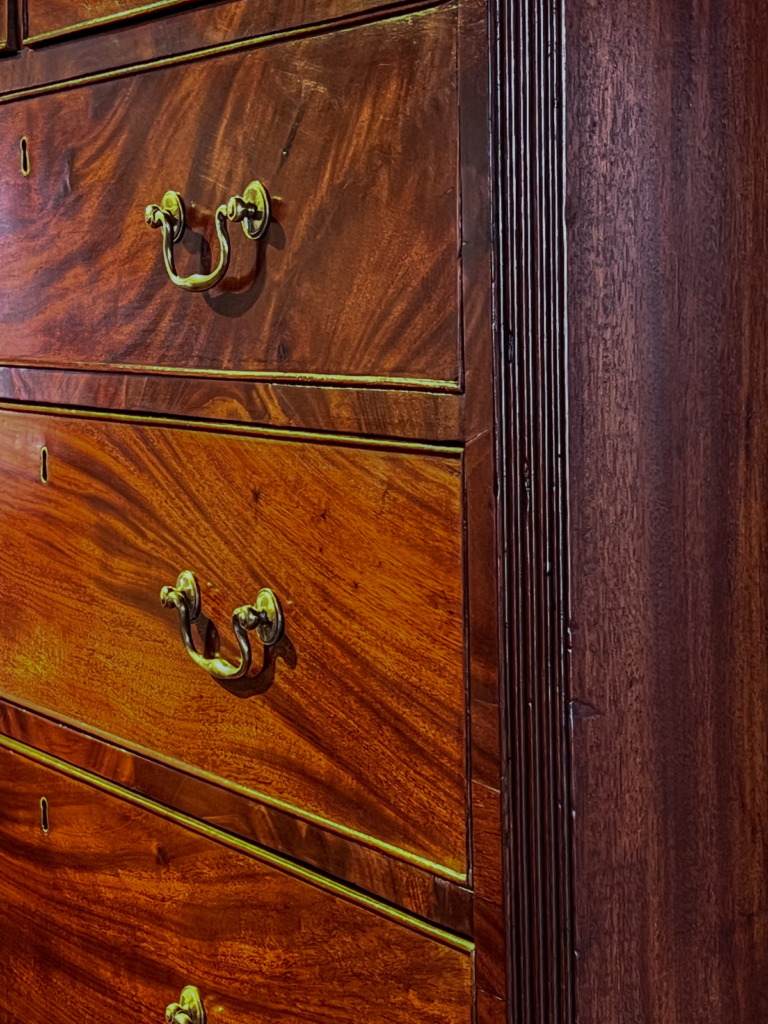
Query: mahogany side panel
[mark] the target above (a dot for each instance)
(114, 909)
(357, 716)
(668, 262)
(435, 899)
(355, 136)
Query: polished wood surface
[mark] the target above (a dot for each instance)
(359, 715)
(668, 262)
(183, 909)
(225, 23)
(355, 137)
(377, 872)
(50, 19)
(606, 640)
(413, 752)
(375, 412)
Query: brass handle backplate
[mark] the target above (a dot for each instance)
(251, 210)
(265, 616)
(188, 1010)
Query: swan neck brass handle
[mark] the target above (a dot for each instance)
(264, 616)
(251, 210)
(188, 1010)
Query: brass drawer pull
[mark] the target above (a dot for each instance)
(265, 617)
(250, 209)
(188, 1010)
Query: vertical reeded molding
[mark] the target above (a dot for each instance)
(531, 332)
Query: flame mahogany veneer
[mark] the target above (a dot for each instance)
(358, 718)
(530, 745)
(124, 908)
(355, 136)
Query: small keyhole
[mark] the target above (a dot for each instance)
(44, 464)
(23, 146)
(44, 822)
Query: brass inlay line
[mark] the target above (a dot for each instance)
(302, 815)
(106, 19)
(256, 376)
(241, 429)
(215, 50)
(241, 845)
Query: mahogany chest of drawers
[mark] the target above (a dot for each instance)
(251, 763)
(363, 379)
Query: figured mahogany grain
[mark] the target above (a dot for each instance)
(374, 871)
(353, 133)
(668, 263)
(411, 415)
(360, 716)
(51, 19)
(115, 910)
(177, 32)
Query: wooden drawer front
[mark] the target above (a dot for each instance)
(49, 19)
(115, 910)
(353, 133)
(360, 717)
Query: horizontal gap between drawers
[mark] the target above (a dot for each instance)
(319, 28)
(243, 429)
(155, 11)
(331, 380)
(241, 845)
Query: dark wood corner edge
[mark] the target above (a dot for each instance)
(10, 26)
(406, 886)
(532, 466)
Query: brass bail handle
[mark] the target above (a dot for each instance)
(265, 616)
(188, 1010)
(251, 210)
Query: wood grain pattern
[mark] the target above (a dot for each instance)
(52, 19)
(359, 719)
(405, 885)
(466, 415)
(224, 23)
(258, 943)
(376, 412)
(5, 15)
(491, 1009)
(668, 262)
(355, 136)
(477, 221)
